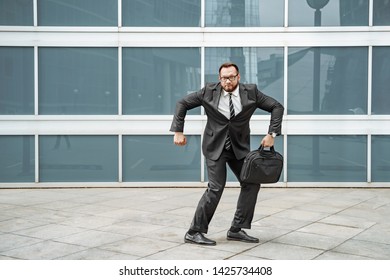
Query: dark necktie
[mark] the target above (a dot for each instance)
(228, 143)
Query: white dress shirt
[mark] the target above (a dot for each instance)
(223, 105)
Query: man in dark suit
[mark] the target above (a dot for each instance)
(229, 106)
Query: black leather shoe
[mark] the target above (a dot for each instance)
(198, 238)
(241, 236)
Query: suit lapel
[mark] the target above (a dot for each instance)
(216, 96)
(243, 95)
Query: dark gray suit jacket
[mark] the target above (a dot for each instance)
(218, 126)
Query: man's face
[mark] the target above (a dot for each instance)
(229, 78)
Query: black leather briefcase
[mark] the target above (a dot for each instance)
(262, 166)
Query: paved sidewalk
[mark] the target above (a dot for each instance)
(149, 224)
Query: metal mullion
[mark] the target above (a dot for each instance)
(120, 90)
(119, 13)
(202, 81)
(36, 158)
(120, 158)
(35, 12)
(285, 13)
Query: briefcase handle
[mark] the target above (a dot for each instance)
(261, 148)
(267, 153)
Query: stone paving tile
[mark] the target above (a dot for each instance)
(9, 241)
(368, 249)
(139, 246)
(278, 251)
(331, 255)
(190, 252)
(310, 240)
(49, 231)
(88, 221)
(337, 231)
(131, 228)
(98, 254)
(16, 224)
(46, 250)
(91, 238)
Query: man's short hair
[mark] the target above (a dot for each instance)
(227, 65)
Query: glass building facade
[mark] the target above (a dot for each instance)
(88, 88)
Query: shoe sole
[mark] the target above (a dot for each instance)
(242, 240)
(203, 244)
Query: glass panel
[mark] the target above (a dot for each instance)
(328, 80)
(255, 143)
(16, 81)
(328, 13)
(161, 13)
(75, 158)
(155, 78)
(157, 159)
(78, 13)
(244, 13)
(17, 159)
(381, 12)
(16, 12)
(261, 66)
(78, 81)
(380, 157)
(327, 159)
(380, 80)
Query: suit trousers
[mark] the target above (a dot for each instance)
(207, 205)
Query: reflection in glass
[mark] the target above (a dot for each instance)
(336, 159)
(77, 13)
(157, 159)
(334, 13)
(76, 158)
(380, 156)
(261, 66)
(380, 80)
(78, 81)
(17, 159)
(14, 12)
(168, 13)
(244, 13)
(16, 81)
(336, 83)
(381, 12)
(155, 78)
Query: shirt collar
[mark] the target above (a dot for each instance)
(235, 92)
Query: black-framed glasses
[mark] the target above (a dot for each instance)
(231, 78)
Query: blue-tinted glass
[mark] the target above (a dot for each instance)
(380, 156)
(76, 158)
(381, 12)
(157, 159)
(160, 13)
(17, 159)
(328, 80)
(328, 13)
(255, 144)
(261, 66)
(78, 81)
(380, 80)
(244, 13)
(18, 12)
(327, 158)
(16, 81)
(78, 13)
(155, 78)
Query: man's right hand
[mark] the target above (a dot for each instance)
(179, 139)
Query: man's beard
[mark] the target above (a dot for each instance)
(230, 88)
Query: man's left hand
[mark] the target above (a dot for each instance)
(268, 141)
